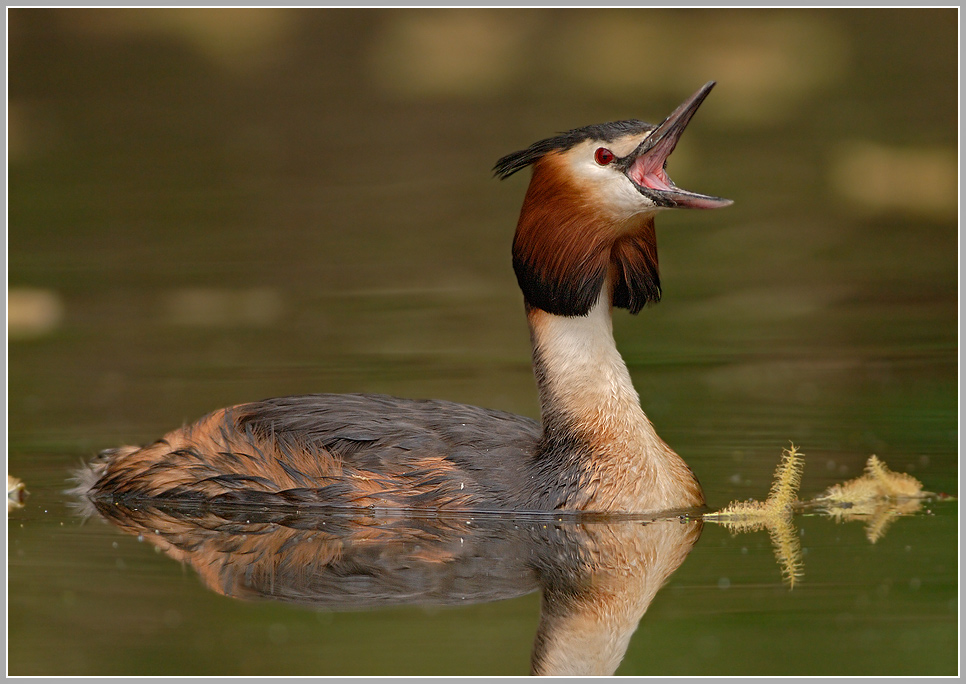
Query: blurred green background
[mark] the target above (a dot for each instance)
(212, 206)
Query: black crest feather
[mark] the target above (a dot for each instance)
(511, 163)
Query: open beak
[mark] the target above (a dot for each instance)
(645, 165)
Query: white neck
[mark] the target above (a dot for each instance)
(585, 388)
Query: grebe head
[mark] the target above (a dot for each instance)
(589, 211)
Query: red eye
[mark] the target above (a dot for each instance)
(603, 156)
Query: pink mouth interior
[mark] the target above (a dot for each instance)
(648, 169)
(656, 179)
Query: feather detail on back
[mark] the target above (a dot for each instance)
(344, 450)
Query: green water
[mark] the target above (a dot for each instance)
(220, 207)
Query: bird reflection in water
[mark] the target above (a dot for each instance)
(597, 577)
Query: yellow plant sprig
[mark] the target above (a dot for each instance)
(773, 514)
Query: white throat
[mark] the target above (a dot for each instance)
(584, 371)
(585, 387)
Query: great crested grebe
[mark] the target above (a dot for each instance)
(585, 243)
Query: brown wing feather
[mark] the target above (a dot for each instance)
(333, 450)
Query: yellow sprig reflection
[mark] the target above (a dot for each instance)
(775, 514)
(879, 496)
